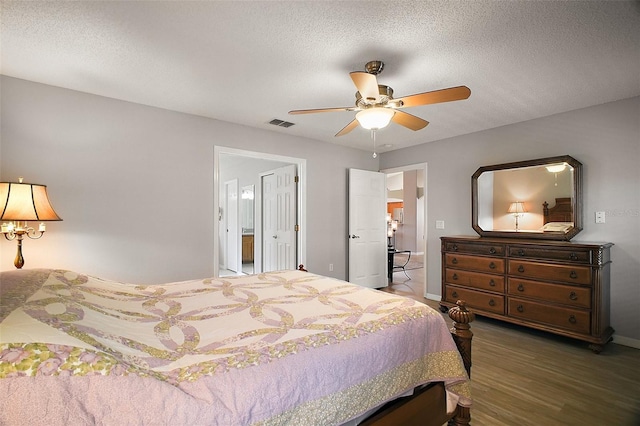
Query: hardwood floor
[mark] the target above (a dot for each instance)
(526, 377)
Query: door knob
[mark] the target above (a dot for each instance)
(355, 236)
(275, 236)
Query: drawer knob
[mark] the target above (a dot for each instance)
(521, 252)
(520, 287)
(492, 302)
(573, 296)
(455, 247)
(520, 268)
(492, 283)
(454, 261)
(492, 250)
(455, 276)
(492, 265)
(520, 308)
(573, 256)
(573, 275)
(572, 319)
(454, 294)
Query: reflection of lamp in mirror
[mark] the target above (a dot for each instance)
(20, 203)
(518, 209)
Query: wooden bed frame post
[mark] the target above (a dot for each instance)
(462, 335)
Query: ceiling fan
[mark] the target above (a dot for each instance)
(376, 106)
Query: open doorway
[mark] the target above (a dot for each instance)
(407, 230)
(245, 253)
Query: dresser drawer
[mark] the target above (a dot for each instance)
(566, 318)
(475, 263)
(476, 299)
(563, 273)
(557, 293)
(551, 253)
(475, 248)
(476, 280)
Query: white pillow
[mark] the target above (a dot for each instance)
(557, 227)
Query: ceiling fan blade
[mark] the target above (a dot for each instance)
(311, 111)
(409, 121)
(349, 127)
(367, 85)
(437, 96)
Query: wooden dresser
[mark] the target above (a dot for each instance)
(556, 286)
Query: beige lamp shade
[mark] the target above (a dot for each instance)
(517, 208)
(25, 201)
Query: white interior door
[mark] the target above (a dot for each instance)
(233, 235)
(367, 229)
(279, 216)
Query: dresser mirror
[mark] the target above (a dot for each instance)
(540, 199)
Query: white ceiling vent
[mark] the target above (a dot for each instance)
(281, 123)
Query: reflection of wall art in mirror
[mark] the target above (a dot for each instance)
(549, 189)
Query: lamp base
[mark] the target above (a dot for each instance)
(19, 260)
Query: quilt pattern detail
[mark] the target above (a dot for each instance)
(252, 321)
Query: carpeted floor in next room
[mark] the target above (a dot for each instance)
(528, 377)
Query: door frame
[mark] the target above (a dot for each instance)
(407, 168)
(301, 164)
(233, 232)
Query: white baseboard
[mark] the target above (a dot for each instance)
(626, 341)
(435, 297)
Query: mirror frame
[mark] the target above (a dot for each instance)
(577, 199)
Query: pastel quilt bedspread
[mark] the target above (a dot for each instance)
(286, 347)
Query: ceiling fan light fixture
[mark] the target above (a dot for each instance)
(375, 118)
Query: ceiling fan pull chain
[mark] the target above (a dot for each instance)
(373, 136)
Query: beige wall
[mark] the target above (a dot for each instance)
(134, 184)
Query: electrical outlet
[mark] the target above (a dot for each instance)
(439, 224)
(331, 267)
(600, 217)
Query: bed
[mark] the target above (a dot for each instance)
(558, 218)
(279, 348)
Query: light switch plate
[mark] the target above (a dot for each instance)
(439, 224)
(600, 217)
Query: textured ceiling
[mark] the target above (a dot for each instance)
(248, 62)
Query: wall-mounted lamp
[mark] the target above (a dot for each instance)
(20, 203)
(518, 209)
